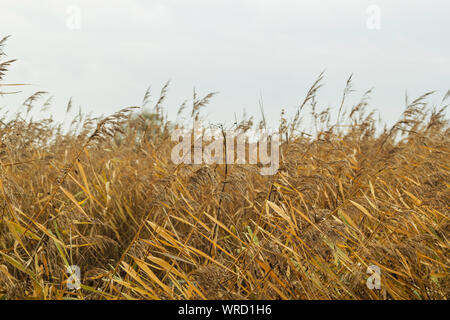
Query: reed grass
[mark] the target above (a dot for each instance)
(105, 195)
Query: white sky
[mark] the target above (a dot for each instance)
(240, 48)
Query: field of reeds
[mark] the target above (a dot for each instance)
(103, 194)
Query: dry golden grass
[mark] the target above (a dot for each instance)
(106, 196)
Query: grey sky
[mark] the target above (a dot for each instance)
(241, 48)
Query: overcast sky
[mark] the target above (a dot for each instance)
(243, 49)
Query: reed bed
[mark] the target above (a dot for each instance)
(104, 195)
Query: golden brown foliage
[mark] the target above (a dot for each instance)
(106, 196)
